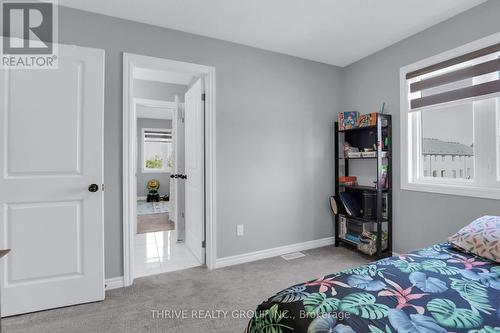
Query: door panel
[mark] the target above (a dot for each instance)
(31, 119)
(61, 257)
(51, 150)
(194, 165)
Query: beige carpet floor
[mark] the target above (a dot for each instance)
(153, 223)
(240, 287)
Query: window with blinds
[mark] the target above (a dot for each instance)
(157, 136)
(157, 150)
(471, 75)
(450, 128)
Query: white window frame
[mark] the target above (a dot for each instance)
(408, 164)
(143, 157)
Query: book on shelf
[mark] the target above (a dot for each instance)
(342, 226)
(351, 205)
(352, 238)
(385, 204)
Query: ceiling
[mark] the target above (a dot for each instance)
(336, 32)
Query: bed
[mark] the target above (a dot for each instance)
(435, 289)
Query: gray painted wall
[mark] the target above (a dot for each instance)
(143, 178)
(420, 218)
(159, 90)
(274, 133)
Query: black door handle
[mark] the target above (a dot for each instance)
(178, 175)
(93, 188)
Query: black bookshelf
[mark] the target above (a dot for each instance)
(367, 137)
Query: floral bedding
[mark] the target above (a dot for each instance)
(436, 289)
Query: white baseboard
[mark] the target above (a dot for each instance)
(114, 283)
(273, 252)
(142, 198)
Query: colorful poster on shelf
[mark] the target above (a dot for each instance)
(348, 120)
(369, 119)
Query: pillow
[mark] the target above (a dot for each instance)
(481, 237)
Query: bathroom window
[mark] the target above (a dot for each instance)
(156, 150)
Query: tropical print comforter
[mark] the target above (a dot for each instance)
(436, 289)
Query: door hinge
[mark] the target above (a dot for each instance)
(102, 187)
(182, 214)
(181, 114)
(203, 244)
(203, 96)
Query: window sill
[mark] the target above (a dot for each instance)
(451, 189)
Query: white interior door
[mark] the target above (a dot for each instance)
(194, 166)
(179, 184)
(175, 153)
(51, 150)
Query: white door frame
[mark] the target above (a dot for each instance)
(130, 62)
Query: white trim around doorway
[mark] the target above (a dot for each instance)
(134, 61)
